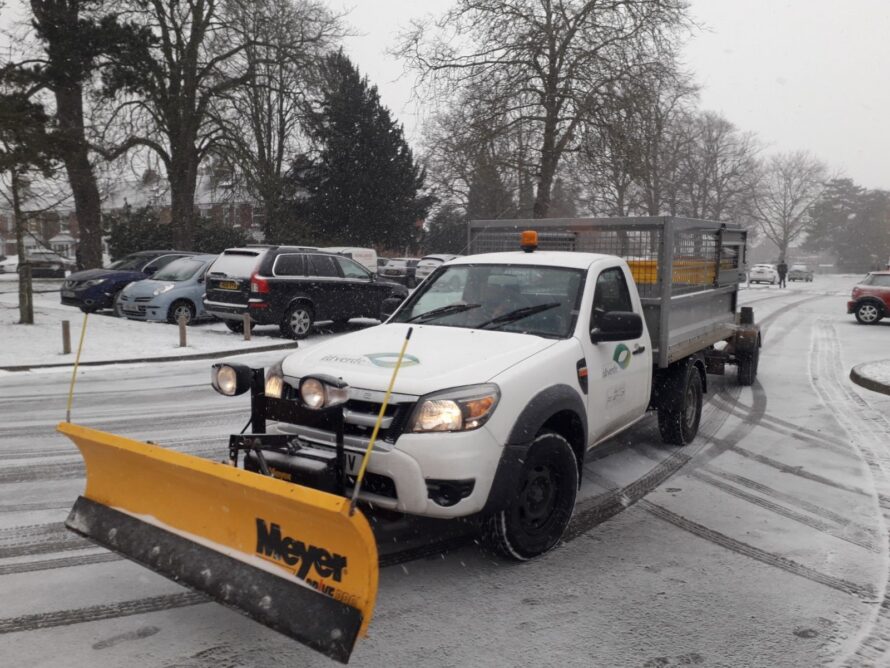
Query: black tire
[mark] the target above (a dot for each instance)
(679, 424)
(181, 307)
(537, 515)
(88, 309)
(237, 326)
(868, 313)
(747, 366)
(298, 321)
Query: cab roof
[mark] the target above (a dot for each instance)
(569, 259)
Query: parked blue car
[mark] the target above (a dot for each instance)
(96, 289)
(175, 291)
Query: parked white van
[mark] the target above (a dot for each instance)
(367, 257)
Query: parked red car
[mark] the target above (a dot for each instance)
(871, 298)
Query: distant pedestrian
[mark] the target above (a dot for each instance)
(783, 270)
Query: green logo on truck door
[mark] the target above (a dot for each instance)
(621, 356)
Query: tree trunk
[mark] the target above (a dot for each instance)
(549, 161)
(87, 205)
(26, 292)
(183, 180)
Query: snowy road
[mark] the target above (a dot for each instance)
(764, 543)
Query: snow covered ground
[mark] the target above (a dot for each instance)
(107, 337)
(763, 543)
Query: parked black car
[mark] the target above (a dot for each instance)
(402, 270)
(293, 287)
(95, 289)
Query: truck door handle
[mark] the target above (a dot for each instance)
(639, 349)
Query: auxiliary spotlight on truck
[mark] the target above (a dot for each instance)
(550, 338)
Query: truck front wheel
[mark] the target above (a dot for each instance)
(542, 503)
(678, 423)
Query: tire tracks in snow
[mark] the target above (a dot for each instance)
(99, 612)
(768, 558)
(869, 435)
(75, 469)
(587, 515)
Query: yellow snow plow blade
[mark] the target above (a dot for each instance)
(288, 556)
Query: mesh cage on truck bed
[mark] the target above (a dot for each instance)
(693, 266)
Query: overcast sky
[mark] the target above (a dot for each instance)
(802, 74)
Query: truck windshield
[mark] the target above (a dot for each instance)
(513, 298)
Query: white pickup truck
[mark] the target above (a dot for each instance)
(520, 362)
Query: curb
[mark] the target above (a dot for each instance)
(170, 358)
(857, 376)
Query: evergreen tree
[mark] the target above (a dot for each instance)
(447, 231)
(853, 223)
(25, 146)
(488, 197)
(364, 188)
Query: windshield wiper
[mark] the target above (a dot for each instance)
(442, 310)
(518, 314)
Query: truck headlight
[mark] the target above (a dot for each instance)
(274, 381)
(319, 392)
(458, 409)
(230, 379)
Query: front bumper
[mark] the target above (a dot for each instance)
(419, 465)
(142, 311)
(94, 297)
(851, 307)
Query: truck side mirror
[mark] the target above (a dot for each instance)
(617, 326)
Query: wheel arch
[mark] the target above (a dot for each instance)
(870, 299)
(558, 408)
(668, 383)
(301, 299)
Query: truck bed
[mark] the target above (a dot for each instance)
(687, 271)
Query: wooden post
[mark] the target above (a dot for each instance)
(182, 341)
(247, 326)
(66, 337)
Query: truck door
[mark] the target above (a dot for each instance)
(619, 372)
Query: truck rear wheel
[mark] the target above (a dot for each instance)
(747, 363)
(678, 423)
(542, 504)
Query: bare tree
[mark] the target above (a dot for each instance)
(790, 185)
(74, 36)
(172, 85)
(262, 120)
(717, 170)
(545, 63)
(630, 147)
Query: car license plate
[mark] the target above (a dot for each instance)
(68, 293)
(228, 285)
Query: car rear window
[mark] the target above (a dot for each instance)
(289, 264)
(235, 263)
